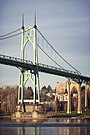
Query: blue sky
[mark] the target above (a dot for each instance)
(65, 23)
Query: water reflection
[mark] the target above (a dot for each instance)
(53, 131)
(28, 131)
(43, 130)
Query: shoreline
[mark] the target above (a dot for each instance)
(45, 116)
(48, 116)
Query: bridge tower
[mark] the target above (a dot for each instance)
(29, 34)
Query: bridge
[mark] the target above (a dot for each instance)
(29, 65)
(29, 69)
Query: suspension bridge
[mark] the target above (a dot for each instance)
(30, 68)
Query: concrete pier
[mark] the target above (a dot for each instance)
(86, 98)
(69, 97)
(79, 110)
(29, 112)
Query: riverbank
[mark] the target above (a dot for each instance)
(65, 115)
(5, 116)
(61, 114)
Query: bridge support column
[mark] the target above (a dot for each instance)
(79, 110)
(69, 98)
(31, 75)
(35, 89)
(21, 88)
(86, 100)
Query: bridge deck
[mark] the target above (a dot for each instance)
(28, 65)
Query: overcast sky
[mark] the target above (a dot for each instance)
(65, 23)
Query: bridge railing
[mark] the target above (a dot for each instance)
(16, 59)
(29, 65)
(39, 64)
(56, 68)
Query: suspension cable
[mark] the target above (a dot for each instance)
(50, 57)
(57, 52)
(6, 37)
(3, 36)
(11, 36)
(10, 33)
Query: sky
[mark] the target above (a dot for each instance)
(64, 23)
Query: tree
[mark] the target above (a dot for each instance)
(44, 90)
(49, 88)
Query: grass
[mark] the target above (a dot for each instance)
(64, 114)
(87, 113)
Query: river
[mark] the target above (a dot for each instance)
(52, 126)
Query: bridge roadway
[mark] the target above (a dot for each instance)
(28, 65)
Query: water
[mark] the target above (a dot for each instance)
(61, 126)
